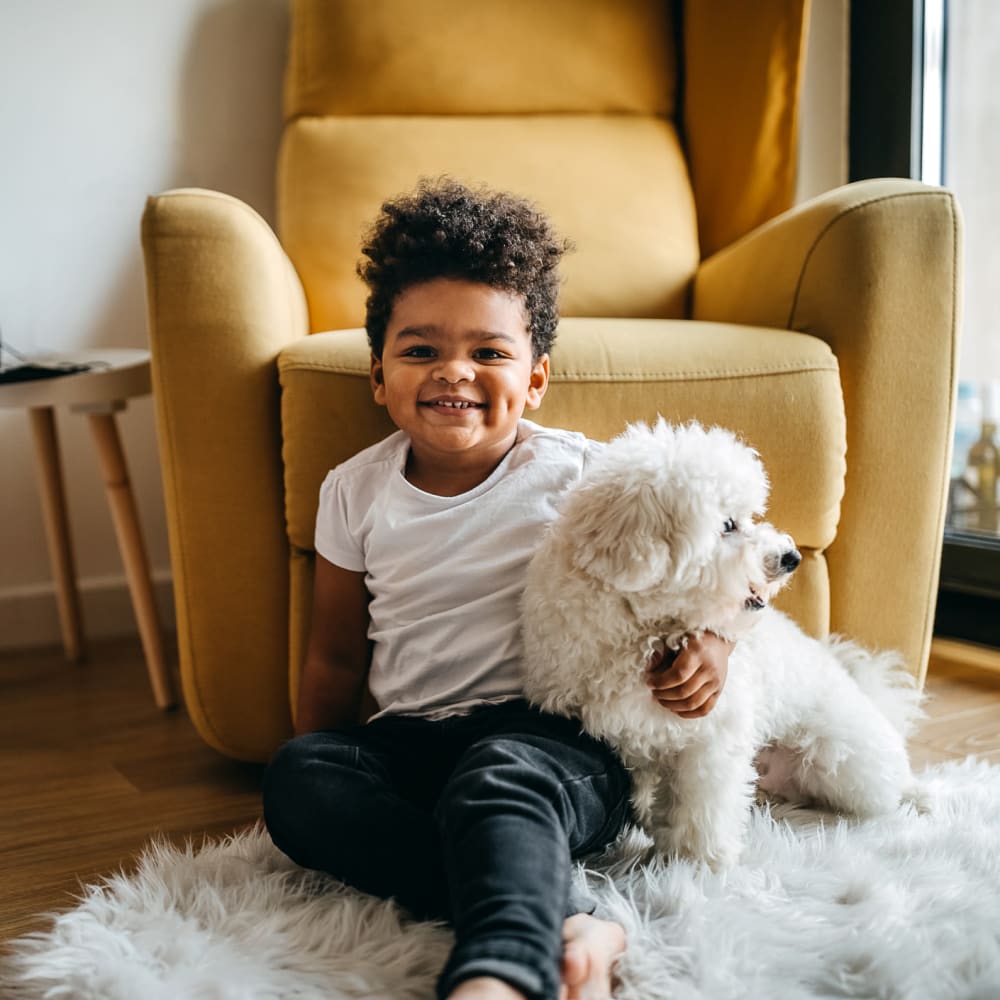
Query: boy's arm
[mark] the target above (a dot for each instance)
(690, 681)
(336, 662)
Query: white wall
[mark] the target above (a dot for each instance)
(972, 159)
(823, 159)
(101, 104)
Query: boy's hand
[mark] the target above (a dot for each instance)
(690, 680)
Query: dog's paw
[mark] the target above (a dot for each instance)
(723, 857)
(716, 853)
(918, 796)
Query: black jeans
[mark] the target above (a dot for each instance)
(472, 819)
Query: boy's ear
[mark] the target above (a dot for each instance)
(538, 382)
(377, 381)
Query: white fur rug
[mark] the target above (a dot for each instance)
(907, 907)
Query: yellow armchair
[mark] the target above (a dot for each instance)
(660, 137)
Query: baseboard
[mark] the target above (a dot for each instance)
(29, 617)
(965, 654)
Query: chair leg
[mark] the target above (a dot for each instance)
(133, 552)
(43, 429)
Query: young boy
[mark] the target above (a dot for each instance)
(457, 798)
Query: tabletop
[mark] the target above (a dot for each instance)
(119, 373)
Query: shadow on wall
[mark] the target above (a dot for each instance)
(225, 118)
(230, 101)
(227, 124)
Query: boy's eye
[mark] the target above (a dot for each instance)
(421, 351)
(487, 354)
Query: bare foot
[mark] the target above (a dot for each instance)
(484, 988)
(590, 947)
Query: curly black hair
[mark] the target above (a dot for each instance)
(447, 230)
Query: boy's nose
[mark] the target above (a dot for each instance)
(454, 371)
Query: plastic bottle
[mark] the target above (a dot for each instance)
(968, 421)
(984, 461)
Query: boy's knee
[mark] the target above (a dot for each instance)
(284, 774)
(290, 759)
(300, 776)
(533, 780)
(300, 765)
(500, 769)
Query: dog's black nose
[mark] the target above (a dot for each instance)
(790, 560)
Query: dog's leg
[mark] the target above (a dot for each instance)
(700, 810)
(645, 790)
(852, 759)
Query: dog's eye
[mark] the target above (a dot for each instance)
(730, 526)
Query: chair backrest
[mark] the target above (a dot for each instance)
(576, 104)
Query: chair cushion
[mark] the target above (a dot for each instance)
(637, 260)
(488, 57)
(780, 390)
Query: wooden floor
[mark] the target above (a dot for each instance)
(90, 769)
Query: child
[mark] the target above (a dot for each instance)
(457, 798)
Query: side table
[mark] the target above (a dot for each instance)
(118, 375)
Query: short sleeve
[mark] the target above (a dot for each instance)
(592, 450)
(335, 540)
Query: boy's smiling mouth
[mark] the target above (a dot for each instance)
(450, 403)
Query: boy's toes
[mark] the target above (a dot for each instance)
(590, 947)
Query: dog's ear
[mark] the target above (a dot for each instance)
(620, 535)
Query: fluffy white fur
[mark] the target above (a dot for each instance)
(905, 905)
(662, 538)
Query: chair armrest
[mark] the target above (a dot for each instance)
(873, 269)
(223, 300)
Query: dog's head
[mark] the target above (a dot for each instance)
(673, 512)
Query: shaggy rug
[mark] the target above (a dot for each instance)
(905, 907)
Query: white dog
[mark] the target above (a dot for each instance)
(659, 540)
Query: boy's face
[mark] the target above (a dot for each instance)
(457, 371)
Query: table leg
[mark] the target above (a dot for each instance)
(133, 552)
(43, 429)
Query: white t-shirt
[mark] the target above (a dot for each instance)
(445, 573)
